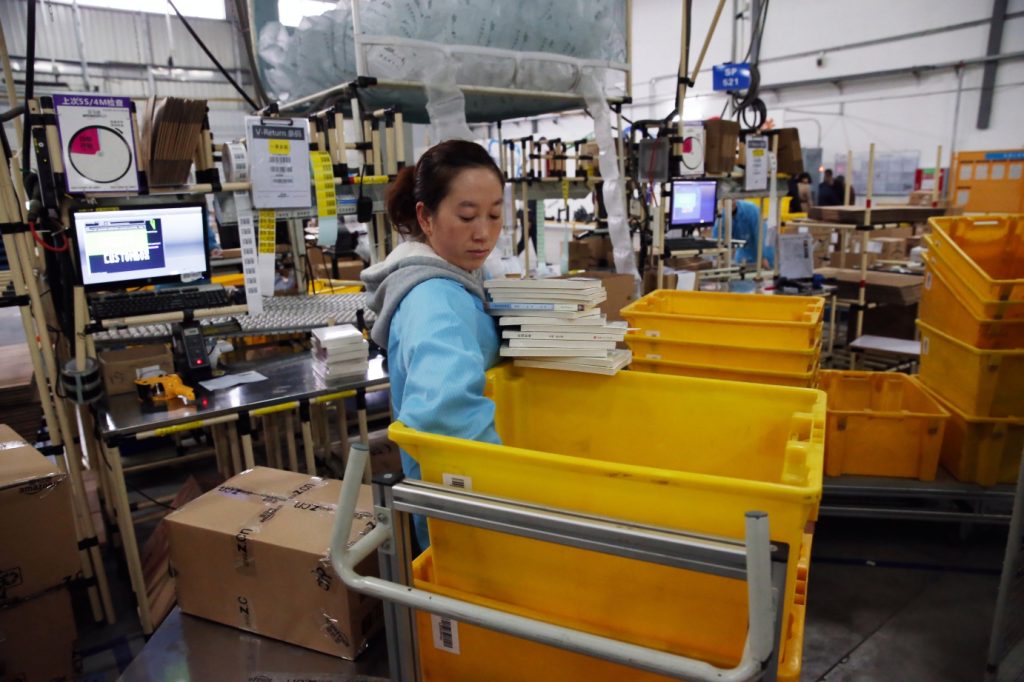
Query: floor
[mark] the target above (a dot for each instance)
(901, 601)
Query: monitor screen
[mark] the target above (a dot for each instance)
(693, 203)
(144, 245)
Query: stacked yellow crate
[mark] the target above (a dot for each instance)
(735, 337)
(972, 342)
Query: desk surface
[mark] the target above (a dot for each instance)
(188, 648)
(884, 344)
(288, 379)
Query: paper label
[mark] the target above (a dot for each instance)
(928, 280)
(457, 481)
(247, 242)
(268, 230)
(653, 333)
(278, 162)
(279, 147)
(446, 633)
(326, 198)
(97, 139)
(924, 345)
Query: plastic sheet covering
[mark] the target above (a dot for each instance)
(524, 45)
(614, 188)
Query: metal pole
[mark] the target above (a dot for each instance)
(80, 41)
(1006, 578)
(938, 177)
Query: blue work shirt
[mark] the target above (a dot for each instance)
(746, 222)
(440, 345)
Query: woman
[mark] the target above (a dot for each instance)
(800, 193)
(428, 296)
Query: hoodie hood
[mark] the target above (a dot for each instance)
(411, 263)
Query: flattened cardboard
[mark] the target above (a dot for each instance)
(37, 529)
(252, 553)
(118, 366)
(37, 639)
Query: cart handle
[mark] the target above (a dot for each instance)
(758, 647)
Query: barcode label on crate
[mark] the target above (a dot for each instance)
(456, 481)
(928, 280)
(924, 345)
(653, 333)
(653, 356)
(446, 633)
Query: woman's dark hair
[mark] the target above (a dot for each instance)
(430, 179)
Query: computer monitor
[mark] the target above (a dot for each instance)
(693, 203)
(141, 245)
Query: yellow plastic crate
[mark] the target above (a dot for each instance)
(987, 383)
(808, 379)
(948, 312)
(881, 424)
(746, 320)
(985, 309)
(981, 450)
(488, 655)
(718, 355)
(580, 445)
(985, 252)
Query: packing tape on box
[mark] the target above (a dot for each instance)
(235, 161)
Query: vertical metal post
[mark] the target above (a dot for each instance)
(80, 41)
(727, 225)
(307, 437)
(395, 559)
(1006, 578)
(289, 427)
(126, 526)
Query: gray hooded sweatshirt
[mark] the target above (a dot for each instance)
(411, 263)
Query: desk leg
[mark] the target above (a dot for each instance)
(245, 429)
(342, 425)
(364, 430)
(273, 443)
(307, 437)
(236, 455)
(223, 452)
(289, 428)
(126, 526)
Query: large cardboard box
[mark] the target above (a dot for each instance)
(118, 366)
(252, 553)
(37, 639)
(882, 287)
(791, 157)
(720, 138)
(38, 545)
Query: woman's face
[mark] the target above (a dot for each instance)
(465, 227)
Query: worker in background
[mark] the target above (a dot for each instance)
(827, 195)
(746, 225)
(428, 296)
(841, 191)
(800, 193)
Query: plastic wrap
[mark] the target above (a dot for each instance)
(525, 45)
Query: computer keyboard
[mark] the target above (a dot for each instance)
(132, 304)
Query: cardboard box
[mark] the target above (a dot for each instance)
(37, 639)
(669, 280)
(883, 287)
(252, 553)
(118, 366)
(38, 544)
(791, 157)
(621, 291)
(720, 138)
(591, 253)
(889, 248)
(890, 320)
(850, 260)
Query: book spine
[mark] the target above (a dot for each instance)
(554, 336)
(556, 307)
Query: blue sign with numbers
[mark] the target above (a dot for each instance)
(731, 76)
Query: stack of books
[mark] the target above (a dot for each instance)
(556, 324)
(339, 352)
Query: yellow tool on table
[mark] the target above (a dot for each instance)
(163, 388)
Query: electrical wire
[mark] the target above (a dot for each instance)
(39, 240)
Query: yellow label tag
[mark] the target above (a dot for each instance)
(565, 189)
(280, 147)
(268, 230)
(323, 181)
(757, 152)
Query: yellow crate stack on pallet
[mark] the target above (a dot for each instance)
(972, 342)
(733, 337)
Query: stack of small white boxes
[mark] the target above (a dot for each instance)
(339, 352)
(556, 324)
